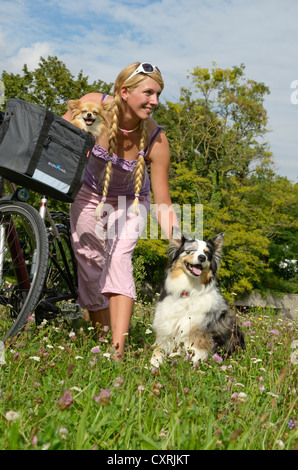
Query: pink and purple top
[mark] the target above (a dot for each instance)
(122, 180)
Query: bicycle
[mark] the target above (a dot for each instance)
(37, 265)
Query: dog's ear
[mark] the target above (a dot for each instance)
(217, 242)
(176, 241)
(73, 104)
(177, 237)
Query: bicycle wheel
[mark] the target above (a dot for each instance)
(60, 287)
(23, 264)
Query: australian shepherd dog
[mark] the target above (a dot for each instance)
(191, 315)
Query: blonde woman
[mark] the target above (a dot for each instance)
(112, 206)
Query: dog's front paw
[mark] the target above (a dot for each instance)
(157, 357)
(200, 355)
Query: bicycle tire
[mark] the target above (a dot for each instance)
(19, 297)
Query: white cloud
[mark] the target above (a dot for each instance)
(29, 56)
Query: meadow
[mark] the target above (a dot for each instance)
(60, 390)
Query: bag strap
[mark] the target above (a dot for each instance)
(39, 144)
(77, 180)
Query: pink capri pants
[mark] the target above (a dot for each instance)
(104, 248)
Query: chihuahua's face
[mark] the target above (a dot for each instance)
(88, 115)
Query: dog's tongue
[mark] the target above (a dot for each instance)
(89, 123)
(197, 271)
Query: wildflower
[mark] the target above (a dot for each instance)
(217, 358)
(72, 335)
(272, 394)
(95, 350)
(247, 324)
(156, 389)
(34, 441)
(66, 401)
(162, 433)
(93, 362)
(118, 381)
(148, 331)
(242, 395)
(31, 318)
(35, 358)
(292, 424)
(261, 388)
(274, 332)
(280, 444)
(63, 433)
(107, 355)
(140, 389)
(79, 357)
(106, 328)
(12, 416)
(103, 397)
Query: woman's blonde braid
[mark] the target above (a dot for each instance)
(140, 168)
(112, 146)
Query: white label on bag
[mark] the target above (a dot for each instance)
(50, 181)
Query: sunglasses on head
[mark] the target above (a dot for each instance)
(144, 67)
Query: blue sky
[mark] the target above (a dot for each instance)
(101, 37)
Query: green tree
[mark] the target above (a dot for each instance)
(219, 124)
(220, 160)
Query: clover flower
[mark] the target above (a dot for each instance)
(103, 397)
(118, 381)
(66, 400)
(274, 332)
(217, 358)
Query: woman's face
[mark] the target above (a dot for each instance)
(142, 100)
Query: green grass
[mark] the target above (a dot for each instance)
(66, 396)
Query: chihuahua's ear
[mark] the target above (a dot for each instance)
(73, 104)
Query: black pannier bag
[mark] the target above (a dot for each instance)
(42, 151)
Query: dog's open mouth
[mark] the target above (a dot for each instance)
(89, 121)
(194, 269)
